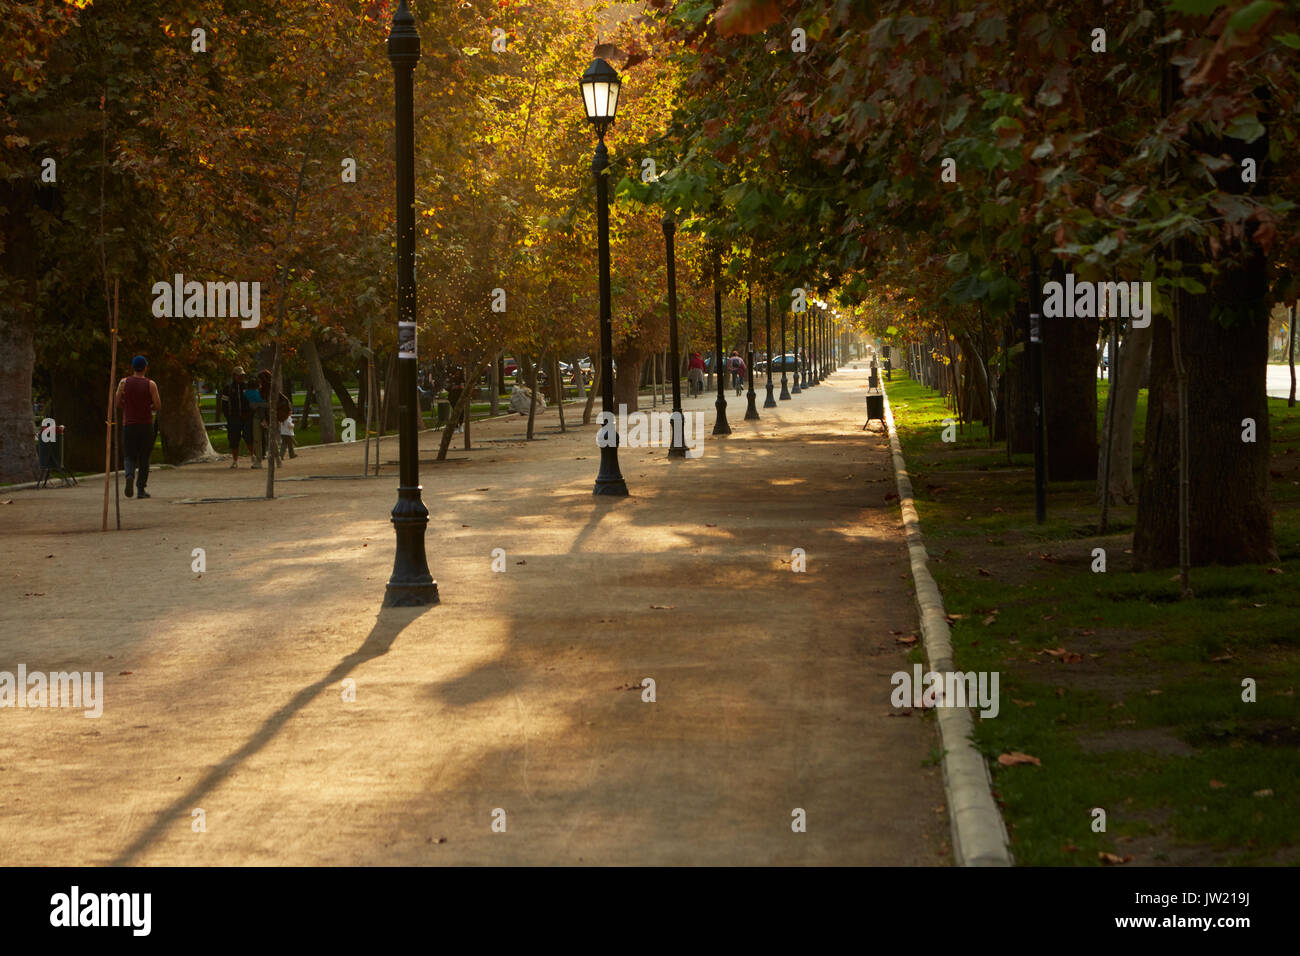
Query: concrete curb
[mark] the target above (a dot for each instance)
(979, 836)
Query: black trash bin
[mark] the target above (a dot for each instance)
(875, 408)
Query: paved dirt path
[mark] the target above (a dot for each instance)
(521, 691)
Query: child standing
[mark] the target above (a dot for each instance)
(286, 438)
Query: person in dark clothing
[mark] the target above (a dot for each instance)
(239, 416)
(137, 396)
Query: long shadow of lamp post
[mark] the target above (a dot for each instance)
(720, 426)
(751, 412)
(600, 85)
(411, 585)
(677, 448)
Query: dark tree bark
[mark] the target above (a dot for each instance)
(350, 409)
(1231, 515)
(628, 377)
(180, 422)
(1070, 398)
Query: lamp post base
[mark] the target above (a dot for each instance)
(720, 427)
(785, 389)
(609, 480)
(751, 412)
(770, 402)
(411, 584)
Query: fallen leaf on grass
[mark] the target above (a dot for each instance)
(985, 572)
(1113, 859)
(1275, 571)
(953, 618)
(991, 618)
(1024, 703)
(1054, 651)
(1262, 793)
(1069, 848)
(1217, 785)
(1016, 757)
(1221, 658)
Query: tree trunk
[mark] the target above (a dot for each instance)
(1070, 398)
(1018, 397)
(459, 411)
(1134, 353)
(320, 388)
(627, 378)
(390, 402)
(1231, 516)
(559, 389)
(184, 437)
(350, 409)
(597, 372)
(532, 390)
(17, 360)
(494, 385)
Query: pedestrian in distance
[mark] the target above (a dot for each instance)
(257, 405)
(696, 374)
(137, 396)
(239, 416)
(737, 371)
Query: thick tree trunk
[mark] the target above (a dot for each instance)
(627, 378)
(180, 423)
(17, 433)
(320, 388)
(1134, 353)
(1070, 398)
(1231, 516)
(350, 409)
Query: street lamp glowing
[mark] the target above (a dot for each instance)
(600, 86)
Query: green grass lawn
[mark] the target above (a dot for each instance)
(1138, 708)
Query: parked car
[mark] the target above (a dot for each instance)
(784, 362)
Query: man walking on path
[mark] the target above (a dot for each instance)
(239, 417)
(137, 396)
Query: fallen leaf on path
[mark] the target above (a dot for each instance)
(521, 562)
(891, 496)
(1111, 858)
(985, 572)
(1016, 757)
(910, 639)
(124, 673)
(662, 607)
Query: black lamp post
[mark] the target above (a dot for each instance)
(809, 380)
(411, 585)
(720, 426)
(770, 401)
(600, 85)
(751, 412)
(797, 360)
(677, 448)
(785, 388)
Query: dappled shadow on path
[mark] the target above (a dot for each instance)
(389, 623)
